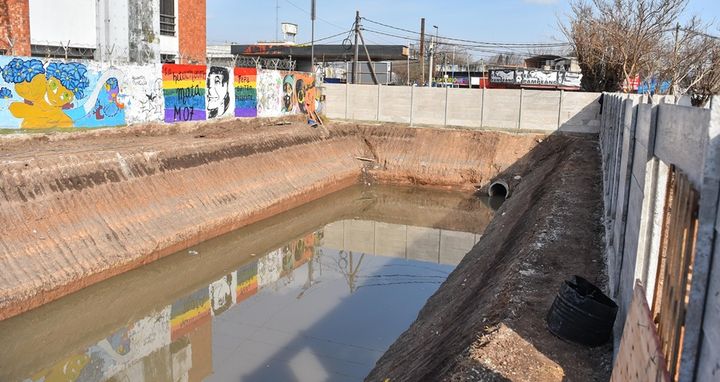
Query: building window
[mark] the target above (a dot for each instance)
(167, 17)
(3, 52)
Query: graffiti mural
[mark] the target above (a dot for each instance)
(37, 94)
(269, 90)
(222, 293)
(184, 92)
(219, 96)
(54, 94)
(298, 93)
(245, 92)
(143, 93)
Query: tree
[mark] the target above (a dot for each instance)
(617, 41)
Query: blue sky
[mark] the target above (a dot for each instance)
(247, 21)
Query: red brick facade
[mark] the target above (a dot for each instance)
(192, 31)
(15, 24)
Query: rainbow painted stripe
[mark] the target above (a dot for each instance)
(189, 312)
(245, 92)
(247, 283)
(184, 92)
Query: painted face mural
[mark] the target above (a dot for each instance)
(218, 91)
(288, 93)
(59, 95)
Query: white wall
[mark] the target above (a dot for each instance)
(56, 21)
(112, 30)
(498, 109)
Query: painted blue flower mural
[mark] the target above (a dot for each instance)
(71, 75)
(16, 71)
(5, 93)
(59, 94)
(32, 68)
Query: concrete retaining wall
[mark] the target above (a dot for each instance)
(501, 109)
(639, 142)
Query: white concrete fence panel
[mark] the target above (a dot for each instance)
(498, 109)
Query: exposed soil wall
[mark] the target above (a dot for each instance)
(486, 322)
(79, 208)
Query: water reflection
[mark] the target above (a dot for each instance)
(321, 307)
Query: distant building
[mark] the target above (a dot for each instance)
(139, 31)
(552, 62)
(539, 72)
(334, 61)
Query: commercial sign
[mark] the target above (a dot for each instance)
(535, 77)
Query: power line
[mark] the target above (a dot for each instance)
(477, 43)
(475, 48)
(308, 12)
(327, 38)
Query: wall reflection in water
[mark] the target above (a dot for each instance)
(322, 307)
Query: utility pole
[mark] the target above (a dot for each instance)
(422, 46)
(430, 69)
(357, 47)
(277, 19)
(408, 63)
(369, 61)
(453, 66)
(312, 44)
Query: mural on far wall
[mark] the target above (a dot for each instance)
(54, 94)
(245, 92)
(143, 93)
(184, 92)
(298, 93)
(269, 90)
(219, 96)
(37, 94)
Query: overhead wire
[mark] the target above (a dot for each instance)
(478, 43)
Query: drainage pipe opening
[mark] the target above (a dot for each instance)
(499, 188)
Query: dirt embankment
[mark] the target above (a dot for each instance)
(486, 322)
(79, 208)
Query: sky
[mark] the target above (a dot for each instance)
(507, 21)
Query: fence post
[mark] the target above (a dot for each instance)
(482, 109)
(347, 98)
(412, 95)
(446, 106)
(706, 248)
(522, 91)
(560, 106)
(378, 103)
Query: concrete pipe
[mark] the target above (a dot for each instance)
(499, 188)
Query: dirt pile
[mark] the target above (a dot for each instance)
(486, 322)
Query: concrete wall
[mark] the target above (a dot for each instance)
(399, 240)
(57, 22)
(501, 109)
(639, 142)
(92, 94)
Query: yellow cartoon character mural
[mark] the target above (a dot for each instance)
(47, 95)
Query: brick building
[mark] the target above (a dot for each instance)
(140, 31)
(15, 27)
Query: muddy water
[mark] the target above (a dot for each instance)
(317, 293)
